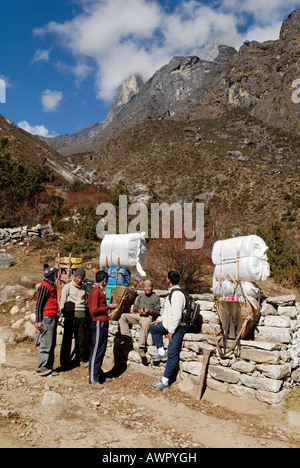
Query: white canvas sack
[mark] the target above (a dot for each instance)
(247, 246)
(129, 248)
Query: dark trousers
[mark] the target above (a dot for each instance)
(99, 344)
(158, 331)
(79, 328)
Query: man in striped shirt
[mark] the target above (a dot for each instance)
(46, 320)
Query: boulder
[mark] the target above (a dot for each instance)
(7, 335)
(52, 399)
(6, 260)
(14, 310)
(10, 293)
(30, 330)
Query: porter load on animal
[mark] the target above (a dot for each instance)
(239, 262)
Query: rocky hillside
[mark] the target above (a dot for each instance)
(137, 101)
(22, 145)
(259, 78)
(245, 170)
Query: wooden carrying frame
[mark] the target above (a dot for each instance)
(244, 314)
(121, 295)
(124, 297)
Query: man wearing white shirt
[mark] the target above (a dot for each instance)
(170, 324)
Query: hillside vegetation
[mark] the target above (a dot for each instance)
(245, 172)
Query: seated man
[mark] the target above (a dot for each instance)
(172, 325)
(146, 309)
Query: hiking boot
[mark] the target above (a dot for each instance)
(159, 385)
(96, 385)
(84, 364)
(159, 358)
(44, 373)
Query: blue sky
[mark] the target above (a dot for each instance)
(63, 60)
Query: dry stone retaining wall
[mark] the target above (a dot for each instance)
(25, 233)
(265, 368)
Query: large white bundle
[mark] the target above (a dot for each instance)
(130, 249)
(249, 288)
(250, 269)
(247, 246)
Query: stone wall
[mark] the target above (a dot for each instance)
(266, 367)
(25, 233)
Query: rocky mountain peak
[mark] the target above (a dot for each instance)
(225, 54)
(257, 78)
(130, 86)
(291, 25)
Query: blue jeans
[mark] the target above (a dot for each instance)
(157, 332)
(45, 358)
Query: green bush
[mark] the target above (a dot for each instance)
(76, 244)
(20, 184)
(283, 254)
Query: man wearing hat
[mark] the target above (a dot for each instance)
(46, 320)
(146, 310)
(72, 305)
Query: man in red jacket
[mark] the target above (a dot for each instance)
(100, 321)
(46, 320)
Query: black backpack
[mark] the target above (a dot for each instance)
(191, 313)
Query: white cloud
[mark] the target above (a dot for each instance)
(40, 130)
(42, 55)
(51, 100)
(80, 70)
(264, 33)
(267, 14)
(112, 39)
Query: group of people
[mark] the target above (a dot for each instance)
(86, 317)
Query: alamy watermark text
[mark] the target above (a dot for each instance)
(166, 221)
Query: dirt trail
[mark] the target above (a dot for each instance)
(126, 413)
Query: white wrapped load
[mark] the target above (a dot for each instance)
(129, 249)
(247, 246)
(251, 289)
(249, 269)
